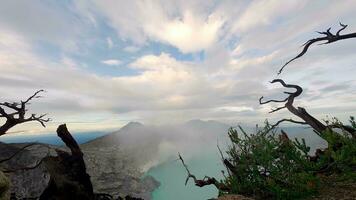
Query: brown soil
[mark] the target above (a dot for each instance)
(234, 197)
(334, 189)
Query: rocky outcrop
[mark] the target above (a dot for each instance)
(114, 172)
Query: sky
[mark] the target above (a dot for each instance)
(104, 63)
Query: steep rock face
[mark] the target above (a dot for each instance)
(114, 172)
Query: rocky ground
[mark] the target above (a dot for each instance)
(114, 172)
(111, 171)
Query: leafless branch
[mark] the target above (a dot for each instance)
(299, 111)
(26, 167)
(272, 100)
(287, 120)
(277, 109)
(35, 95)
(328, 38)
(289, 99)
(205, 181)
(18, 115)
(17, 152)
(228, 165)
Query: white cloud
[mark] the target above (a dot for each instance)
(243, 44)
(143, 21)
(112, 62)
(262, 13)
(254, 61)
(189, 34)
(43, 21)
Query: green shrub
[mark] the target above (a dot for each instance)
(270, 166)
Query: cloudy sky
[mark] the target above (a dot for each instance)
(104, 63)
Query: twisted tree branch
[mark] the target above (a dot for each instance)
(18, 151)
(7, 170)
(277, 109)
(205, 181)
(328, 38)
(286, 120)
(18, 116)
(299, 111)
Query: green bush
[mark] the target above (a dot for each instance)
(270, 166)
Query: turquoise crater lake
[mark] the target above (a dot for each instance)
(172, 175)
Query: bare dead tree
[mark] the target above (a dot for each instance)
(15, 113)
(328, 38)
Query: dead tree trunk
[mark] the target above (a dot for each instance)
(69, 179)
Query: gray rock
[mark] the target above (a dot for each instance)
(112, 171)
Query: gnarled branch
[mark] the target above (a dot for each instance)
(205, 181)
(328, 38)
(18, 151)
(286, 120)
(299, 111)
(7, 170)
(291, 95)
(277, 109)
(24, 168)
(18, 115)
(272, 100)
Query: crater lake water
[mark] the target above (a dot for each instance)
(172, 176)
